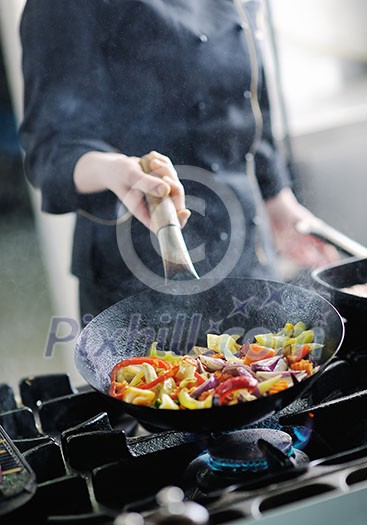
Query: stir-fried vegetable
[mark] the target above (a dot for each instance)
(222, 373)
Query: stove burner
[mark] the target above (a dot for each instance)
(249, 458)
(240, 451)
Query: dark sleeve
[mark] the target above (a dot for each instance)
(271, 169)
(65, 84)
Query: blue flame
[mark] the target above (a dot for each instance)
(239, 467)
(303, 435)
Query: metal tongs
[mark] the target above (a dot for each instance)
(326, 232)
(177, 263)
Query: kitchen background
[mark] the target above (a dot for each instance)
(319, 68)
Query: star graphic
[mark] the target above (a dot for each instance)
(240, 307)
(213, 327)
(275, 296)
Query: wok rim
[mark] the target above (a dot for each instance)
(350, 261)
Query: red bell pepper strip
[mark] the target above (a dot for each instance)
(233, 384)
(299, 354)
(156, 362)
(236, 383)
(117, 389)
(257, 352)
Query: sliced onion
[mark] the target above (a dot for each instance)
(212, 363)
(238, 370)
(264, 375)
(266, 365)
(281, 365)
(212, 382)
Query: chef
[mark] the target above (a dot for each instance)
(109, 81)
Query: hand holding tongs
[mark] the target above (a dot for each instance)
(320, 229)
(177, 263)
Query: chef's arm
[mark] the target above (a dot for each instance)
(307, 251)
(99, 171)
(283, 209)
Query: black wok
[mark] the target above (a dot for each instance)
(241, 306)
(329, 281)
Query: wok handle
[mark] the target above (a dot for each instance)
(162, 211)
(321, 229)
(176, 259)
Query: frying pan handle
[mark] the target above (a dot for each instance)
(322, 230)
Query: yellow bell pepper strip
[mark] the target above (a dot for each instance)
(186, 371)
(273, 341)
(167, 402)
(299, 328)
(137, 396)
(194, 381)
(221, 342)
(187, 401)
(307, 336)
(264, 386)
(288, 330)
(282, 338)
(169, 356)
(230, 357)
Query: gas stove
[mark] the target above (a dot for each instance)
(71, 455)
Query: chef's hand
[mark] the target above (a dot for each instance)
(307, 251)
(99, 171)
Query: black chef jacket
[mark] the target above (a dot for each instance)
(135, 76)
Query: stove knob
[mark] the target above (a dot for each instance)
(175, 511)
(129, 518)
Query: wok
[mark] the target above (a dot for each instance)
(177, 322)
(235, 305)
(329, 281)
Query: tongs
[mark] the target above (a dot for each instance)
(177, 263)
(324, 231)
